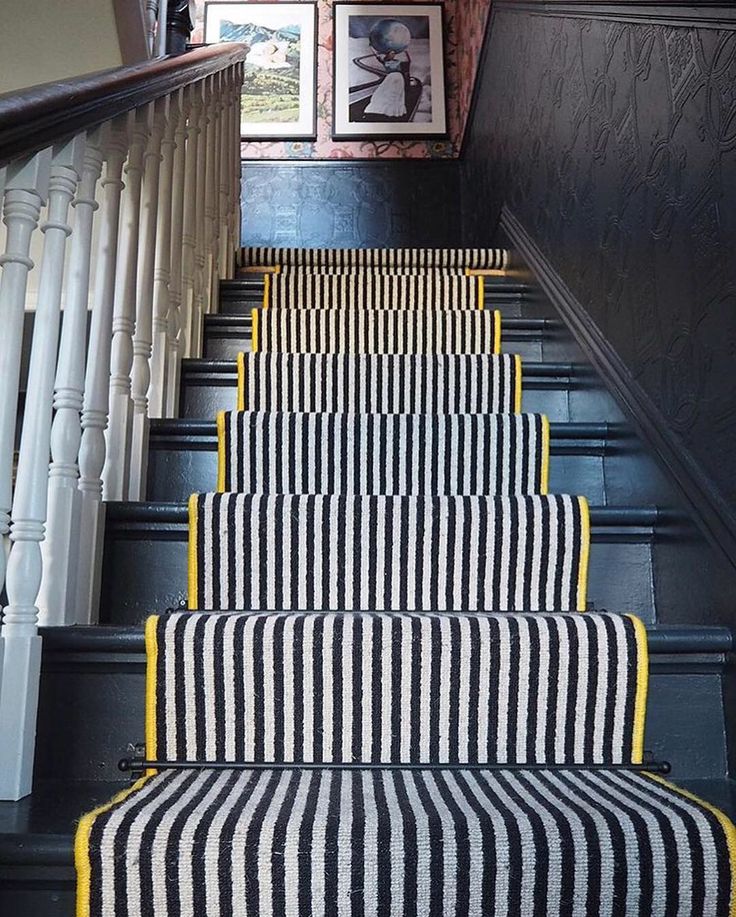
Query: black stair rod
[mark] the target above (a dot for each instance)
(134, 765)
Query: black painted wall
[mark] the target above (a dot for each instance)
(609, 132)
(351, 204)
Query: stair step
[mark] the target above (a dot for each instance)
(183, 458)
(145, 560)
(563, 391)
(93, 684)
(226, 335)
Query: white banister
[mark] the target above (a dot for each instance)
(162, 271)
(200, 222)
(189, 238)
(143, 337)
(97, 378)
(235, 166)
(151, 14)
(59, 549)
(176, 322)
(25, 191)
(225, 183)
(212, 194)
(117, 463)
(22, 665)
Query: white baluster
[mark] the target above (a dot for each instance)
(162, 272)
(212, 194)
(143, 338)
(117, 464)
(151, 14)
(225, 151)
(97, 378)
(26, 187)
(189, 238)
(201, 233)
(175, 336)
(21, 671)
(59, 550)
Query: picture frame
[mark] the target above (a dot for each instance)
(389, 71)
(279, 99)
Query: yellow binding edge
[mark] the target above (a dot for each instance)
(81, 846)
(241, 381)
(254, 331)
(518, 381)
(221, 451)
(266, 291)
(642, 690)
(262, 269)
(729, 829)
(481, 293)
(192, 571)
(584, 553)
(151, 681)
(497, 332)
(544, 484)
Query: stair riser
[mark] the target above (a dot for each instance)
(145, 572)
(176, 471)
(91, 707)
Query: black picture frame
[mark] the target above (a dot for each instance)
(275, 135)
(436, 8)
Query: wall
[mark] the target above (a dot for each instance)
(611, 137)
(42, 42)
(464, 18)
(351, 204)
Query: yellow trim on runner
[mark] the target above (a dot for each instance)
(254, 331)
(544, 484)
(642, 690)
(241, 381)
(517, 390)
(221, 452)
(584, 553)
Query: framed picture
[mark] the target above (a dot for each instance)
(389, 71)
(279, 99)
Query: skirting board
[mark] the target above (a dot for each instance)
(710, 511)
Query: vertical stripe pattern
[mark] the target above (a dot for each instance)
(454, 843)
(271, 552)
(379, 383)
(372, 331)
(476, 258)
(368, 290)
(343, 660)
(392, 454)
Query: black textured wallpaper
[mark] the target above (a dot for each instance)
(613, 142)
(351, 204)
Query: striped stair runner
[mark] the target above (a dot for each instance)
(390, 705)
(392, 454)
(348, 331)
(335, 553)
(379, 384)
(422, 258)
(366, 290)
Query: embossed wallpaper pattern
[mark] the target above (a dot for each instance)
(466, 18)
(615, 146)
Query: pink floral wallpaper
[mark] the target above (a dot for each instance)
(465, 22)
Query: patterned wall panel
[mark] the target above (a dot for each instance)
(346, 204)
(614, 143)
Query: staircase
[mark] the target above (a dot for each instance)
(93, 686)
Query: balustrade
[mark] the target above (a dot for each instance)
(139, 191)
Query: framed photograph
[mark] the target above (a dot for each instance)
(279, 98)
(389, 71)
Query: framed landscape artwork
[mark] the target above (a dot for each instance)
(389, 71)
(279, 99)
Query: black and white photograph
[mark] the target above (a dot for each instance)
(389, 70)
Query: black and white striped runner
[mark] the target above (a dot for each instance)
(399, 688)
(393, 454)
(479, 258)
(431, 290)
(380, 383)
(335, 553)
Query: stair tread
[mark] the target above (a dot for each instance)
(40, 829)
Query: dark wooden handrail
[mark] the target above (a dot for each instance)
(36, 118)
